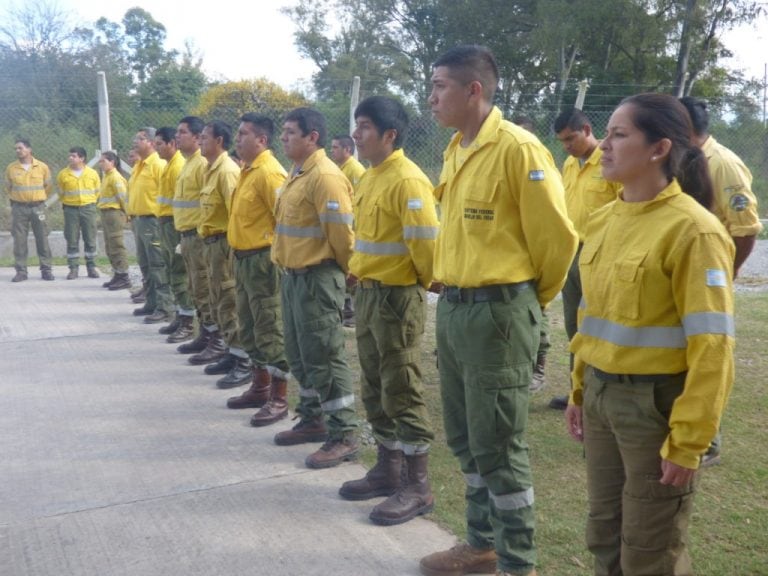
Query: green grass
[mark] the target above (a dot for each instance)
(730, 523)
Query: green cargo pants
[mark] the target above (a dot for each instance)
(257, 286)
(23, 216)
(636, 526)
(314, 345)
(80, 220)
(486, 352)
(113, 227)
(389, 327)
(148, 246)
(174, 263)
(221, 288)
(197, 272)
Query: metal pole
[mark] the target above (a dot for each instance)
(105, 131)
(583, 85)
(353, 102)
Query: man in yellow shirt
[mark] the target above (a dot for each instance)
(181, 328)
(343, 153)
(395, 230)
(79, 191)
(735, 205)
(585, 191)
(28, 185)
(143, 187)
(313, 244)
(257, 279)
(503, 253)
(187, 215)
(224, 354)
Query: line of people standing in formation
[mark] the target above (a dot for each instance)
(643, 233)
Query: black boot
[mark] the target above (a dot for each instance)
(198, 344)
(240, 374)
(172, 327)
(215, 349)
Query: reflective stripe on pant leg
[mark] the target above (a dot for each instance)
(88, 229)
(72, 234)
(192, 250)
(221, 283)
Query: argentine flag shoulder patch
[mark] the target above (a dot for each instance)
(332, 205)
(536, 175)
(716, 278)
(414, 204)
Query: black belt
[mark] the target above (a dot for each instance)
(165, 218)
(308, 269)
(213, 238)
(146, 216)
(492, 293)
(28, 203)
(369, 284)
(188, 233)
(240, 254)
(632, 378)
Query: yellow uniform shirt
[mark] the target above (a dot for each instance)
(503, 216)
(144, 186)
(658, 299)
(735, 203)
(187, 213)
(252, 219)
(114, 191)
(586, 190)
(168, 184)
(314, 216)
(353, 170)
(32, 185)
(79, 190)
(395, 224)
(216, 195)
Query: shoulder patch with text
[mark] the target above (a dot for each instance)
(414, 204)
(332, 205)
(536, 175)
(716, 278)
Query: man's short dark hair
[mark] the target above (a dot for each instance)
(221, 129)
(194, 123)
(149, 132)
(345, 141)
(166, 134)
(79, 150)
(524, 122)
(263, 125)
(386, 114)
(574, 119)
(309, 120)
(470, 63)
(24, 141)
(697, 110)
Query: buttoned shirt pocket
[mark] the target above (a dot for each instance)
(626, 286)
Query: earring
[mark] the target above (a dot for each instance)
(654, 158)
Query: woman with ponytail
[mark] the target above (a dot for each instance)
(654, 352)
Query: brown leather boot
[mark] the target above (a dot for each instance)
(277, 406)
(184, 331)
(334, 452)
(215, 350)
(197, 345)
(171, 327)
(381, 480)
(412, 499)
(257, 395)
(461, 559)
(305, 431)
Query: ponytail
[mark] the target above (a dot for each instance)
(694, 179)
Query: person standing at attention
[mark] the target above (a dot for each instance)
(28, 185)
(79, 191)
(395, 230)
(653, 356)
(313, 244)
(503, 253)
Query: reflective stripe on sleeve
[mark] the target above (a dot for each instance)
(300, 232)
(420, 232)
(709, 323)
(381, 248)
(165, 200)
(634, 336)
(186, 203)
(335, 218)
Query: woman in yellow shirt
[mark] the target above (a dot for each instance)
(112, 203)
(654, 350)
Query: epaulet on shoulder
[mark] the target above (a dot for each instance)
(520, 134)
(701, 218)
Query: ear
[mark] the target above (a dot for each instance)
(661, 148)
(475, 88)
(313, 136)
(389, 136)
(587, 129)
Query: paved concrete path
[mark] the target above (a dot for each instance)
(118, 458)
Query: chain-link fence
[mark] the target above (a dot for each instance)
(54, 129)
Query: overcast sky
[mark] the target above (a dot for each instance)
(255, 39)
